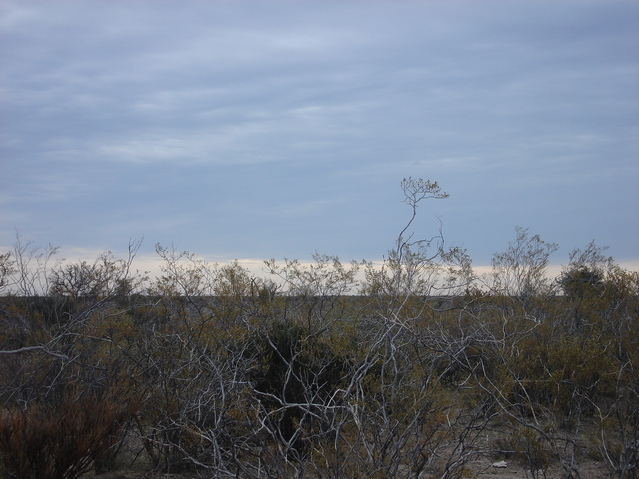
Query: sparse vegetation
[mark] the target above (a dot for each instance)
(411, 369)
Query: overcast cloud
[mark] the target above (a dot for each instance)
(255, 129)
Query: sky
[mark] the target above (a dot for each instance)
(277, 129)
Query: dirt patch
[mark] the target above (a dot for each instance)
(479, 469)
(514, 470)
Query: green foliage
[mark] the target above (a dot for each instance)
(530, 447)
(580, 283)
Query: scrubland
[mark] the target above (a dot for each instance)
(415, 368)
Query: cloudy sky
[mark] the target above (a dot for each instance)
(272, 129)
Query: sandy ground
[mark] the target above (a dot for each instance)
(482, 470)
(513, 470)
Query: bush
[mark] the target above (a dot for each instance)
(61, 439)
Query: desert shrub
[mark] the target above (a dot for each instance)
(234, 376)
(296, 376)
(63, 437)
(531, 449)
